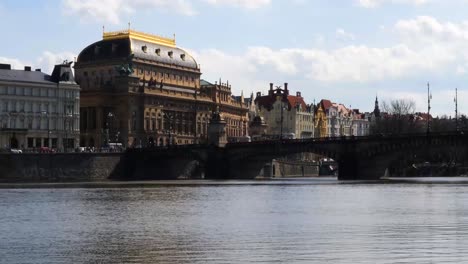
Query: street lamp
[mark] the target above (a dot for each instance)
(429, 97)
(456, 110)
(109, 116)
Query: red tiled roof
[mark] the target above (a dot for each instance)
(267, 101)
(326, 104)
(296, 100)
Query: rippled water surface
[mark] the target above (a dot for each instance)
(282, 223)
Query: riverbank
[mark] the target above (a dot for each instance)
(168, 183)
(257, 182)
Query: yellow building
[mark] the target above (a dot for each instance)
(321, 121)
(142, 90)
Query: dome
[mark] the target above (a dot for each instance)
(122, 44)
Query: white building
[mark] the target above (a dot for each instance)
(339, 120)
(39, 110)
(361, 125)
(336, 120)
(284, 113)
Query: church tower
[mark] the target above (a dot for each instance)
(376, 108)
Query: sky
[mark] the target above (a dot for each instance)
(347, 51)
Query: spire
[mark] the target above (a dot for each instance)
(376, 107)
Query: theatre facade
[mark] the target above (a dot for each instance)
(141, 90)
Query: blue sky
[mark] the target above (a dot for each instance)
(344, 50)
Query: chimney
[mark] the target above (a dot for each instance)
(271, 86)
(298, 94)
(285, 86)
(38, 70)
(5, 66)
(27, 68)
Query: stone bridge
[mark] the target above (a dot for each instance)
(358, 157)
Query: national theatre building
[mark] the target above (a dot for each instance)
(142, 90)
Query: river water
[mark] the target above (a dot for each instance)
(302, 221)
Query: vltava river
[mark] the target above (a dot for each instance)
(282, 222)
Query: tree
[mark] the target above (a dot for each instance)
(398, 117)
(399, 107)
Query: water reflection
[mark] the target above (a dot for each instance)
(337, 223)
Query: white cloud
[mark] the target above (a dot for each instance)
(15, 63)
(341, 34)
(249, 4)
(429, 29)
(347, 64)
(45, 62)
(427, 49)
(48, 60)
(443, 50)
(376, 3)
(111, 10)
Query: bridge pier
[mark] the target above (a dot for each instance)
(351, 167)
(348, 167)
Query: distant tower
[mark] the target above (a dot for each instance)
(376, 108)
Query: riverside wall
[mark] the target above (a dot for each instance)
(294, 169)
(60, 167)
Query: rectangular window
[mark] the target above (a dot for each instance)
(30, 142)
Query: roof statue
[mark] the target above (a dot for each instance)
(126, 69)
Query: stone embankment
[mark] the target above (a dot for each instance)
(60, 167)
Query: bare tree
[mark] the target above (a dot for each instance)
(399, 107)
(398, 117)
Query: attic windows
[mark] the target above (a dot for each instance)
(144, 48)
(158, 52)
(182, 56)
(171, 54)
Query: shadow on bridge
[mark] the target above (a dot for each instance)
(359, 158)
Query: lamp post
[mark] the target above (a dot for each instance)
(456, 110)
(46, 114)
(429, 97)
(109, 116)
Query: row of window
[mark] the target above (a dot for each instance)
(165, 75)
(27, 91)
(157, 51)
(36, 123)
(44, 108)
(27, 106)
(36, 91)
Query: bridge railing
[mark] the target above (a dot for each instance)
(350, 138)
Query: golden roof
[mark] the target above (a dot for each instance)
(170, 42)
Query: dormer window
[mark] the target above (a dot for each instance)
(144, 48)
(170, 53)
(182, 56)
(158, 52)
